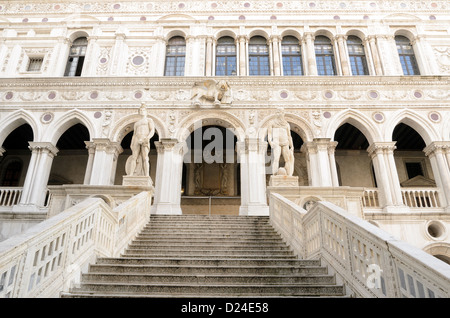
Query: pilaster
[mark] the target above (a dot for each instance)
(251, 153)
(102, 161)
(168, 176)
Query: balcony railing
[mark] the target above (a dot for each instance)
(10, 196)
(412, 197)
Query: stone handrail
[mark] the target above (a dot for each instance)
(50, 256)
(368, 260)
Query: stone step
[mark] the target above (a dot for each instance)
(208, 240)
(207, 256)
(227, 261)
(223, 290)
(208, 270)
(208, 251)
(155, 246)
(208, 234)
(207, 279)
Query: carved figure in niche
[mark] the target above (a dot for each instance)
(211, 90)
(144, 129)
(280, 140)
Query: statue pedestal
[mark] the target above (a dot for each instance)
(283, 181)
(134, 181)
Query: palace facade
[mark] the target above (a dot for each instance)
(364, 86)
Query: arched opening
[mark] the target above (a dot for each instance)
(15, 159)
(122, 159)
(69, 166)
(324, 56)
(258, 55)
(407, 56)
(355, 167)
(211, 172)
(292, 56)
(357, 57)
(77, 53)
(226, 57)
(414, 168)
(175, 57)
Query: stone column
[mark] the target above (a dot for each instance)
(322, 166)
(102, 161)
(242, 55)
(343, 56)
(382, 154)
(310, 53)
(374, 54)
(209, 56)
(275, 39)
(251, 154)
(169, 170)
(35, 185)
(439, 154)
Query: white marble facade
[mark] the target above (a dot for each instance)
(125, 64)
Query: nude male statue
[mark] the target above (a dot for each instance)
(279, 138)
(144, 129)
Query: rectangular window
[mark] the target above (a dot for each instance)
(259, 65)
(414, 169)
(292, 65)
(35, 64)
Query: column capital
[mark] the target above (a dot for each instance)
(381, 147)
(340, 37)
(437, 147)
(319, 144)
(242, 38)
(43, 147)
(169, 144)
(275, 38)
(104, 144)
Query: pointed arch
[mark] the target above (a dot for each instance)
(214, 117)
(357, 119)
(56, 129)
(415, 121)
(17, 119)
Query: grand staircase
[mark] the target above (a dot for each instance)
(207, 256)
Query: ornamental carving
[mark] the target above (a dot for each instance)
(217, 92)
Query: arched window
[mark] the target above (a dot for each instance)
(226, 56)
(407, 57)
(11, 174)
(175, 57)
(77, 53)
(357, 56)
(324, 56)
(292, 56)
(258, 55)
